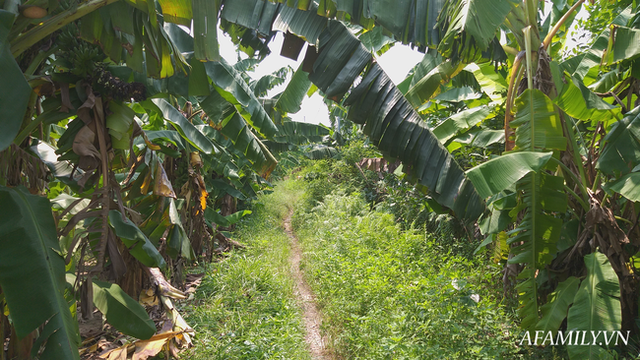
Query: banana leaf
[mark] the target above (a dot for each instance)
(291, 98)
(177, 11)
(537, 123)
(502, 172)
(461, 121)
(579, 102)
(15, 98)
(429, 86)
(342, 58)
(482, 138)
(122, 311)
(32, 274)
(136, 241)
(596, 306)
(621, 145)
(235, 90)
(492, 82)
(471, 26)
(555, 310)
(317, 152)
(184, 127)
(623, 45)
(398, 131)
(627, 186)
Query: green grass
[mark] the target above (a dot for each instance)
(391, 294)
(245, 307)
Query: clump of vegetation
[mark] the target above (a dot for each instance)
(389, 293)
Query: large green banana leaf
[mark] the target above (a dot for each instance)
(291, 98)
(537, 123)
(491, 82)
(342, 58)
(397, 130)
(536, 238)
(596, 306)
(579, 102)
(461, 121)
(627, 186)
(235, 90)
(624, 44)
(429, 85)
(122, 311)
(593, 57)
(178, 11)
(32, 273)
(621, 145)
(472, 26)
(136, 241)
(501, 173)
(184, 127)
(13, 98)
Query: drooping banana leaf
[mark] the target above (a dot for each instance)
(184, 127)
(177, 11)
(596, 306)
(235, 90)
(429, 86)
(502, 172)
(621, 145)
(471, 26)
(579, 102)
(15, 98)
(461, 121)
(482, 138)
(291, 98)
(593, 57)
(535, 243)
(317, 152)
(623, 45)
(252, 14)
(177, 242)
(122, 311)
(136, 241)
(492, 82)
(627, 186)
(32, 274)
(458, 94)
(397, 130)
(342, 58)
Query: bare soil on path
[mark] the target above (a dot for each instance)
(311, 315)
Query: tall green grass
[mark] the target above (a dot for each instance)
(245, 307)
(392, 294)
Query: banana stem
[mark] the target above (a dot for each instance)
(515, 74)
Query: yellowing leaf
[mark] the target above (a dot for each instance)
(153, 346)
(162, 184)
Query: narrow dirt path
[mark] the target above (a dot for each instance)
(311, 315)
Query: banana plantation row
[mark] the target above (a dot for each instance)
(127, 144)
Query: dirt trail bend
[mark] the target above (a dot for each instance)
(311, 316)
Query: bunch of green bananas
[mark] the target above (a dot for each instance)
(79, 55)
